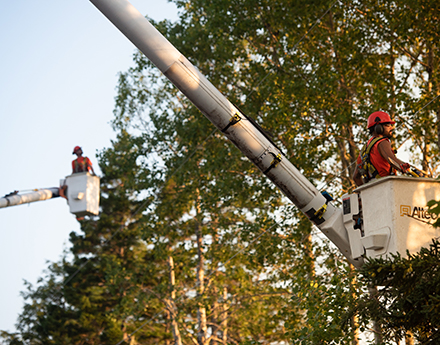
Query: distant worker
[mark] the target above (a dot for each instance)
(81, 164)
(377, 158)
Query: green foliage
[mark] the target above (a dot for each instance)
(407, 298)
(325, 300)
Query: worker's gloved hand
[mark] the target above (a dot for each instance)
(404, 167)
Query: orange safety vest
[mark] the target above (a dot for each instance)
(81, 165)
(370, 162)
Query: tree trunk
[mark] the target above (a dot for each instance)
(201, 310)
(426, 147)
(215, 327)
(433, 87)
(131, 339)
(354, 319)
(438, 124)
(347, 135)
(378, 337)
(347, 157)
(219, 318)
(392, 108)
(409, 339)
(224, 318)
(168, 326)
(171, 305)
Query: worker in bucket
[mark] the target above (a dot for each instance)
(81, 164)
(377, 158)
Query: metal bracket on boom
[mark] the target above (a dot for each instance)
(274, 163)
(234, 120)
(316, 215)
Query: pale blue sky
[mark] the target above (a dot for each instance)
(59, 65)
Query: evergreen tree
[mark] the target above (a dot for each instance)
(407, 299)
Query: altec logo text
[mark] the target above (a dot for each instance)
(416, 212)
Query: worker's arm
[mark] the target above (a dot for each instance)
(387, 152)
(357, 177)
(89, 165)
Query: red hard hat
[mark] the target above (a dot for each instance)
(75, 149)
(379, 117)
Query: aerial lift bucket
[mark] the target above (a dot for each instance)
(394, 215)
(82, 193)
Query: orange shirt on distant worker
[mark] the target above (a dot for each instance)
(81, 164)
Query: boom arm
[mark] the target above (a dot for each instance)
(81, 191)
(228, 119)
(38, 195)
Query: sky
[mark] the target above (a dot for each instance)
(59, 68)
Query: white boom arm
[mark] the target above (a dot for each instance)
(38, 195)
(228, 119)
(81, 190)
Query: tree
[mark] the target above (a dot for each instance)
(89, 296)
(177, 129)
(201, 221)
(407, 297)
